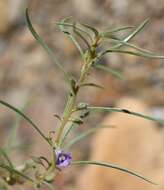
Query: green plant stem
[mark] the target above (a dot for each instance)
(86, 67)
(70, 106)
(51, 169)
(66, 115)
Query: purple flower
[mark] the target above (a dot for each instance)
(63, 159)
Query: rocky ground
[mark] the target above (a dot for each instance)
(29, 78)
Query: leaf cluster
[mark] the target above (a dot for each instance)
(88, 41)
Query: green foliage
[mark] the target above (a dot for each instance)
(87, 40)
(25, 117)
(83, 135)
(104, 164)
(108, 109)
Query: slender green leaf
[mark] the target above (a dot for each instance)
(105, 164)
(12, 170)
(70, 36)
(138, 29)
(115, 73)
(44, 45)
(91, 28)
(11, 140)
(92, 85)
(81, 36)
(25, 117)
(3, 152)
(66, 133)
(127, 39)
(84, 135)
(140, 54)
(134, 33)
(80, 137)
(109, 109)
(132, 46)
(77, 28)
(109, 32)
(22, 146)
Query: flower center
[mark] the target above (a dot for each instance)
(62, 158)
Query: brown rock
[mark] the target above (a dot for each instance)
(3, 16)
(9, 11)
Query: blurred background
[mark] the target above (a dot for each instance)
(30, 81)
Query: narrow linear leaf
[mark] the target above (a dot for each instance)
(84, 135)
(90, 28)
(109, 32)
(127, 39)
(109, 109)
(5, 155)
(132, 46)
(11, 140)
(134, 33)
(78, 28)
(138, 29)
(81, 36)
(66, 133)
(57, 116)
(25, 117)
(80, 137)
(70, 36)
(44, 45)
(11, 170)
(92, 85)
(140, 54)
(19, 146)
(105, 164)
(113, 72)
